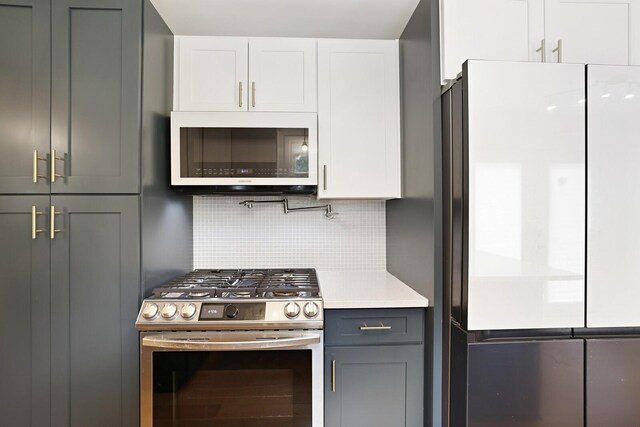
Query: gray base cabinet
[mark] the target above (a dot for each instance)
(374, 368)
(613, 382)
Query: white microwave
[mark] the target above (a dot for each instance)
(244, 151)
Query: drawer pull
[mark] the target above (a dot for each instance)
(333, 376)
(375, 328)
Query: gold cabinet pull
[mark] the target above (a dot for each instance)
(333, 376)
(37, 158)
(54, 158)
(253, 94)
(52, 225)
(240, 94)
(34, 223)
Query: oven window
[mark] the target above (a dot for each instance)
(232, 389)
(244, 152)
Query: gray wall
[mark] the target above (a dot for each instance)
(414, 222)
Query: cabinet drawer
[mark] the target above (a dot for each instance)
(379, 326)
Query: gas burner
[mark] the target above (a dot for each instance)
(199, 294)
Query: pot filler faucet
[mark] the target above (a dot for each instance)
(328, 212)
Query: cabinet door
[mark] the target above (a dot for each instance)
(378, 386)
(211, 74)
(613, 382)
(24, 318)
(96, 95)
(613, 239)
(532, 384)
(505, 30)
(593, 31)
(525, 192)
(24, 103)
(282, 74)
(358, 119)
(95, 285)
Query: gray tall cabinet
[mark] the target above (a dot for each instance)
(88, 222)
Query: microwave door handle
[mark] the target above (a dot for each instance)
(187, 344)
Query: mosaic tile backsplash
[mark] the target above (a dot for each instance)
(228, 235)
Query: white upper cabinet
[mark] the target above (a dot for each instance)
(570, 31)
(210, 74)
(526, 195)
(358, 119)
(240, 74)
(593, 31)
(613, 242)
(282, 74)
(502, 30)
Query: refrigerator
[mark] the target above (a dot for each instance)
(539, 206)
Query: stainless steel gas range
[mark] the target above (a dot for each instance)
(233, 348)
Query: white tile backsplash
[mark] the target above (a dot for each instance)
(228, 235)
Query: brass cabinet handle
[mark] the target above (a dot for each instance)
(34, 223)
(253, 94)
(240, 94)
(52, 225)
(541, 49)
(37, 158)
(333, 376)
(54, 158)
(324, 176)
(558, 50)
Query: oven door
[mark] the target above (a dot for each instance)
(228, 378)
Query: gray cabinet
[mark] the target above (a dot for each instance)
(613, 382)
(24, 317)
(95, 285)
(24, 85)
(374, 368)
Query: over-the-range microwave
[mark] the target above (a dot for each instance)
(225, 152)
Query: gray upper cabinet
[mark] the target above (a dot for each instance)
(95, 89)
(24, 318)
(24, 103)
(95, 286)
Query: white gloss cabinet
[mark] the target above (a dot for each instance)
(504, 30)
(526, 195)
(210, 74)
(358, 119)
(613, 233)
(282, 75)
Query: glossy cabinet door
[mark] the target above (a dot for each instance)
(24, 318)
(95, 116)
(378, 386)
(95, 289)
(613, 382)
(358, 119)
(504, 30)
(282, 75)
(211, 74)
(613, 239)
(593, 31)
(525, 195)
(24, 99)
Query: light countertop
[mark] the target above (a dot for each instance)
(366, 289)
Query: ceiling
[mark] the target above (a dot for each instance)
(362, 19)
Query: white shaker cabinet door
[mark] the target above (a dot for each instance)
(358, 119)
(613, 233)
(282, 74)
(210, 74)
(526, 195)
(505, 30)
(593, 31)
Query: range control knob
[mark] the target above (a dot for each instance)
(311, 309)
(169, 311)
(292, 310)
(231, 311)
(187, 311)
(150, 311)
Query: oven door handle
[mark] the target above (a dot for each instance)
(200, 344)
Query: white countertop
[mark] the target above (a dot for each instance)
(366, 289)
